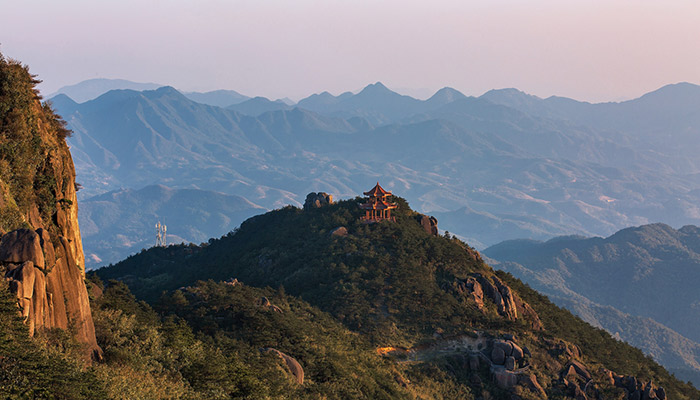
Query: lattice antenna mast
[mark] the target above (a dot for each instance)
(161, 235)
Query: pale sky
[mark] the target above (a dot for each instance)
(585, 49)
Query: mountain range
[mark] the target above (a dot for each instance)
(520, 165)
(390, 309)
(626, 283)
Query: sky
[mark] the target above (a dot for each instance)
(590, 50)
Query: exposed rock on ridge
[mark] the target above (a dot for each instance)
(317, 200)
(429, 223)
(48, 284)
(43, 261)
(478, 287)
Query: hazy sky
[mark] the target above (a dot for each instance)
(588, 49)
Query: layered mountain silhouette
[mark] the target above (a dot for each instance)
(640, 283)
(219, 98)
(526, 167)
(259, 105)
(93, 88)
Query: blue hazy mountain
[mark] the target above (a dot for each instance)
(625, 283)
(521, 173)
(119, 223)
(259, 105)
(219, 98)
(93, 88)
(376, 103)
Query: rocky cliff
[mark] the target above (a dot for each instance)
(41, 252)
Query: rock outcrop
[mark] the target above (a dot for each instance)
(292, 365)
(471, 288)
(264, 302)
(48, 283)
(636, 388)
(317, 200)
(429, 223)
(500, 294)
(340, 231)
(43, 261)
(477, 288)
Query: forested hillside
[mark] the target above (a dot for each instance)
(427, 303)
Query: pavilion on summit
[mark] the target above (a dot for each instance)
(377, 207)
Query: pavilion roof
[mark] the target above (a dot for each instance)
(377, 191)
(379, 205)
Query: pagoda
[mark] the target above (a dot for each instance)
(377, 208)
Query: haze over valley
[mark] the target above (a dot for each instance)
(500, 166)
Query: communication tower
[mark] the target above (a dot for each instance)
(161, 235)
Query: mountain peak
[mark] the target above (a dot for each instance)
(446, 95)
(375, 88)
(683, 91)
(93, 88)
(511, 93)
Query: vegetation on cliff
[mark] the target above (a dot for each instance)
(31, 135)
(40, 368)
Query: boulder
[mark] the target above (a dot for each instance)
(570, 372)
(630, 383)
(340, 231)
(505, 379)
(506, 346)
(649, 392)
(517, 353)
(510, 363)
(510, 309)
(264, 302)
(429, 224)
(531, 382)
(472, 290)
(292, 365)
(581, 370)
(661, 393)
(609, 378)
(317, 200)
(276, 309)
(529, 314)
(500, 294)
(498, 356)
(22, 245)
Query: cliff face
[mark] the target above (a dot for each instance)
(41, 255)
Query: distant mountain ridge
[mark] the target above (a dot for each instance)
(639, 273)
(545, 175)
(94, 88)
